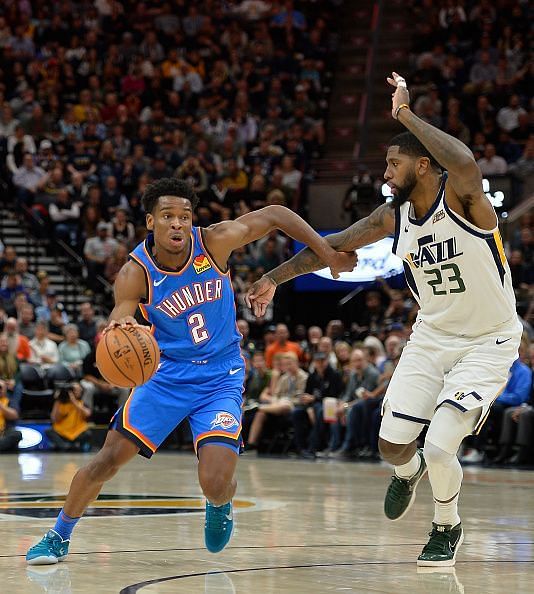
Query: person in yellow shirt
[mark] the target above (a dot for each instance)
(10, 395)
(9, 436)
(70, 430)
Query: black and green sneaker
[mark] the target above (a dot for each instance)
(401, 492)
(441, 549)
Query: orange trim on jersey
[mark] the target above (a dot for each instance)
(148, 280)
(144, 312)
(218, 433)
(131, 429)
(212, 261)
(500, 248)
(170, 272)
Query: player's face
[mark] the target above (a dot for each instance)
(171, 221)
(400, 174)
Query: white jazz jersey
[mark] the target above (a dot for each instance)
(457, 272)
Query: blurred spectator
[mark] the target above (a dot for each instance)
(26, 323)
(18, 345)
(10, 396)
(44, 312)
(508, 117)
(73, 350)
(70, 431)
(43, 351)
(491, 163)
(291, 384)
(28, 280)
(65, 215)
(86, 323)
(308, 412)
(281, 344)
(355, 407)
(97, 251)
(115, 263)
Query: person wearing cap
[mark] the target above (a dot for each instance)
(308, 413)
(43, 312)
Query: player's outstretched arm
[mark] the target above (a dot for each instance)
(224, 237)
(379, 224)
(453, 155)
(128, 290)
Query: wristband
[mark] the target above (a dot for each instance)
(402, 106)
(272, 280)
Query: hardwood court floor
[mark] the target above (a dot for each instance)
(302, 528)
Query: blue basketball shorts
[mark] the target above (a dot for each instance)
(208, 394)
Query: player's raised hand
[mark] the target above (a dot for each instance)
(401, 96)
(259, 295)
(343, 262)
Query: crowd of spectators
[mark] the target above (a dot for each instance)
(321, 394)
(472, 76)
(42, 350)
(99, 98)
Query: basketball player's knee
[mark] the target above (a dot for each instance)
(435, 456)
(396, 453)
(214, 487)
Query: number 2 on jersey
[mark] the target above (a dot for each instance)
(198, 329)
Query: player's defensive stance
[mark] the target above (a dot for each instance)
(467, 333)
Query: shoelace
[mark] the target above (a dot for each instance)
(398, 488)
(216, 519)
(439, 542)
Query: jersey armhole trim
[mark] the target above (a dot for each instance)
(397, 228)
(467, 226)
(210, 257)
(148, 285)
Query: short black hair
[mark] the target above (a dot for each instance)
(409, 144)
(168, 186)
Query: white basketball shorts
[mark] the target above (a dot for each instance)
(438, 369)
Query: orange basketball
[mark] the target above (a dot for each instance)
(127, 357)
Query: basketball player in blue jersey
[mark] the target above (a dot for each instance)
(467, 333)
(179, 278)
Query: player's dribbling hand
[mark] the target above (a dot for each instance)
(401, 96)
(259, 295)
(342, 262)
(122, 322)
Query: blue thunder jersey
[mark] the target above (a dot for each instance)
(192, 310)
(457, 272)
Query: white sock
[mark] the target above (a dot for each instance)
(445, 475)
(407, 470)
(447, 513)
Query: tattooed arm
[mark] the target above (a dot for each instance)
(379, 224)
(464, 185)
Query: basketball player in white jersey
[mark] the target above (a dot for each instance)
(467, 333)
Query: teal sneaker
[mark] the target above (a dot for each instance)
(401, 492)
(51, 549)
(442, 547)
(218, 527)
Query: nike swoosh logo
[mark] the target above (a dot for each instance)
(405, 229)
(158, 283)
(502, 341)
(234, 371)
